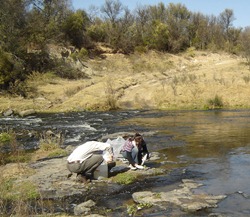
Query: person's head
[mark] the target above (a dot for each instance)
(137, 134)
(138, 140)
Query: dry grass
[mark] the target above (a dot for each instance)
(150, 80)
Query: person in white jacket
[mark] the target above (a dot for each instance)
(87, 157)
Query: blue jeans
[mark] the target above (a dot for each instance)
(132, 157)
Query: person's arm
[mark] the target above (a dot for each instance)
(109, 149)
(144, 148)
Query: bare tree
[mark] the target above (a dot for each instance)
(112, 9)
(245, 44)
(226, 19)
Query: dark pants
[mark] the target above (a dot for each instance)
(87, 167)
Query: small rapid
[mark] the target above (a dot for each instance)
(212, 147)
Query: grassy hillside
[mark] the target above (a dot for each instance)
(192, 80)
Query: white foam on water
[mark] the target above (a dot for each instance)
(74, 139)
(86, 126)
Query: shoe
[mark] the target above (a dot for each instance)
(81, 178)
(140, 167)
(132, 167)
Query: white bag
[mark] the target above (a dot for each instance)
(117, 145)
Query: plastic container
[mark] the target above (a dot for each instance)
(102, 171)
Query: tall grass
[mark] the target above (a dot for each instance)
(10, 150)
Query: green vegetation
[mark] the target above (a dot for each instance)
(134, 208)
(10, 150)
(6, 138)
(30, 27)
(20, 194)
(124, 179)
(49, 146)
(17, 197)
(10, 190)
(216, 102)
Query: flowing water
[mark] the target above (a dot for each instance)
(213, 144)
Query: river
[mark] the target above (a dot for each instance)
(213, 144)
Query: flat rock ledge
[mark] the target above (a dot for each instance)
(51, 177)
(183, 197)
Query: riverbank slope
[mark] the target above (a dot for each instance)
(192, 80)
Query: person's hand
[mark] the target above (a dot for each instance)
(110, 159)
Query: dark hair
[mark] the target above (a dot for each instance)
(138, 140)
(137, 134)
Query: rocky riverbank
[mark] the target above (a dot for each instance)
(65, 196)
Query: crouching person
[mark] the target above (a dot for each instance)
(87, 157)
(130, 151)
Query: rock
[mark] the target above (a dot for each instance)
(183, 197)
(51, 178)
(8, 112)
(27, 112)
(84, 208)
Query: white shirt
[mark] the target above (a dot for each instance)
(84, 151)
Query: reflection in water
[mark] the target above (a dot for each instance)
(216, 143)
(213, 143)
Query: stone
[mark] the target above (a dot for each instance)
(8, 112)
(183, 197)
(84, 208)
(27, 112)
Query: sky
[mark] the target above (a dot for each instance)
(241, 8)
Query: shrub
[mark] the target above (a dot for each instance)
(11, 69)
(246, 78)
(216, 102)
(111, 95)
(83, 53)
(11, 151)
(50, 146)
(64, 70)
(5, 138)
(141, 49)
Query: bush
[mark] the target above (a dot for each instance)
(64, 70)
(11, 150)
(50, 146)
(5, 138)
(111, 98)
(216, 102)
(81, 55)
(141, 49)
(11, 69)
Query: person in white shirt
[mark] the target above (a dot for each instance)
(87, 157)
